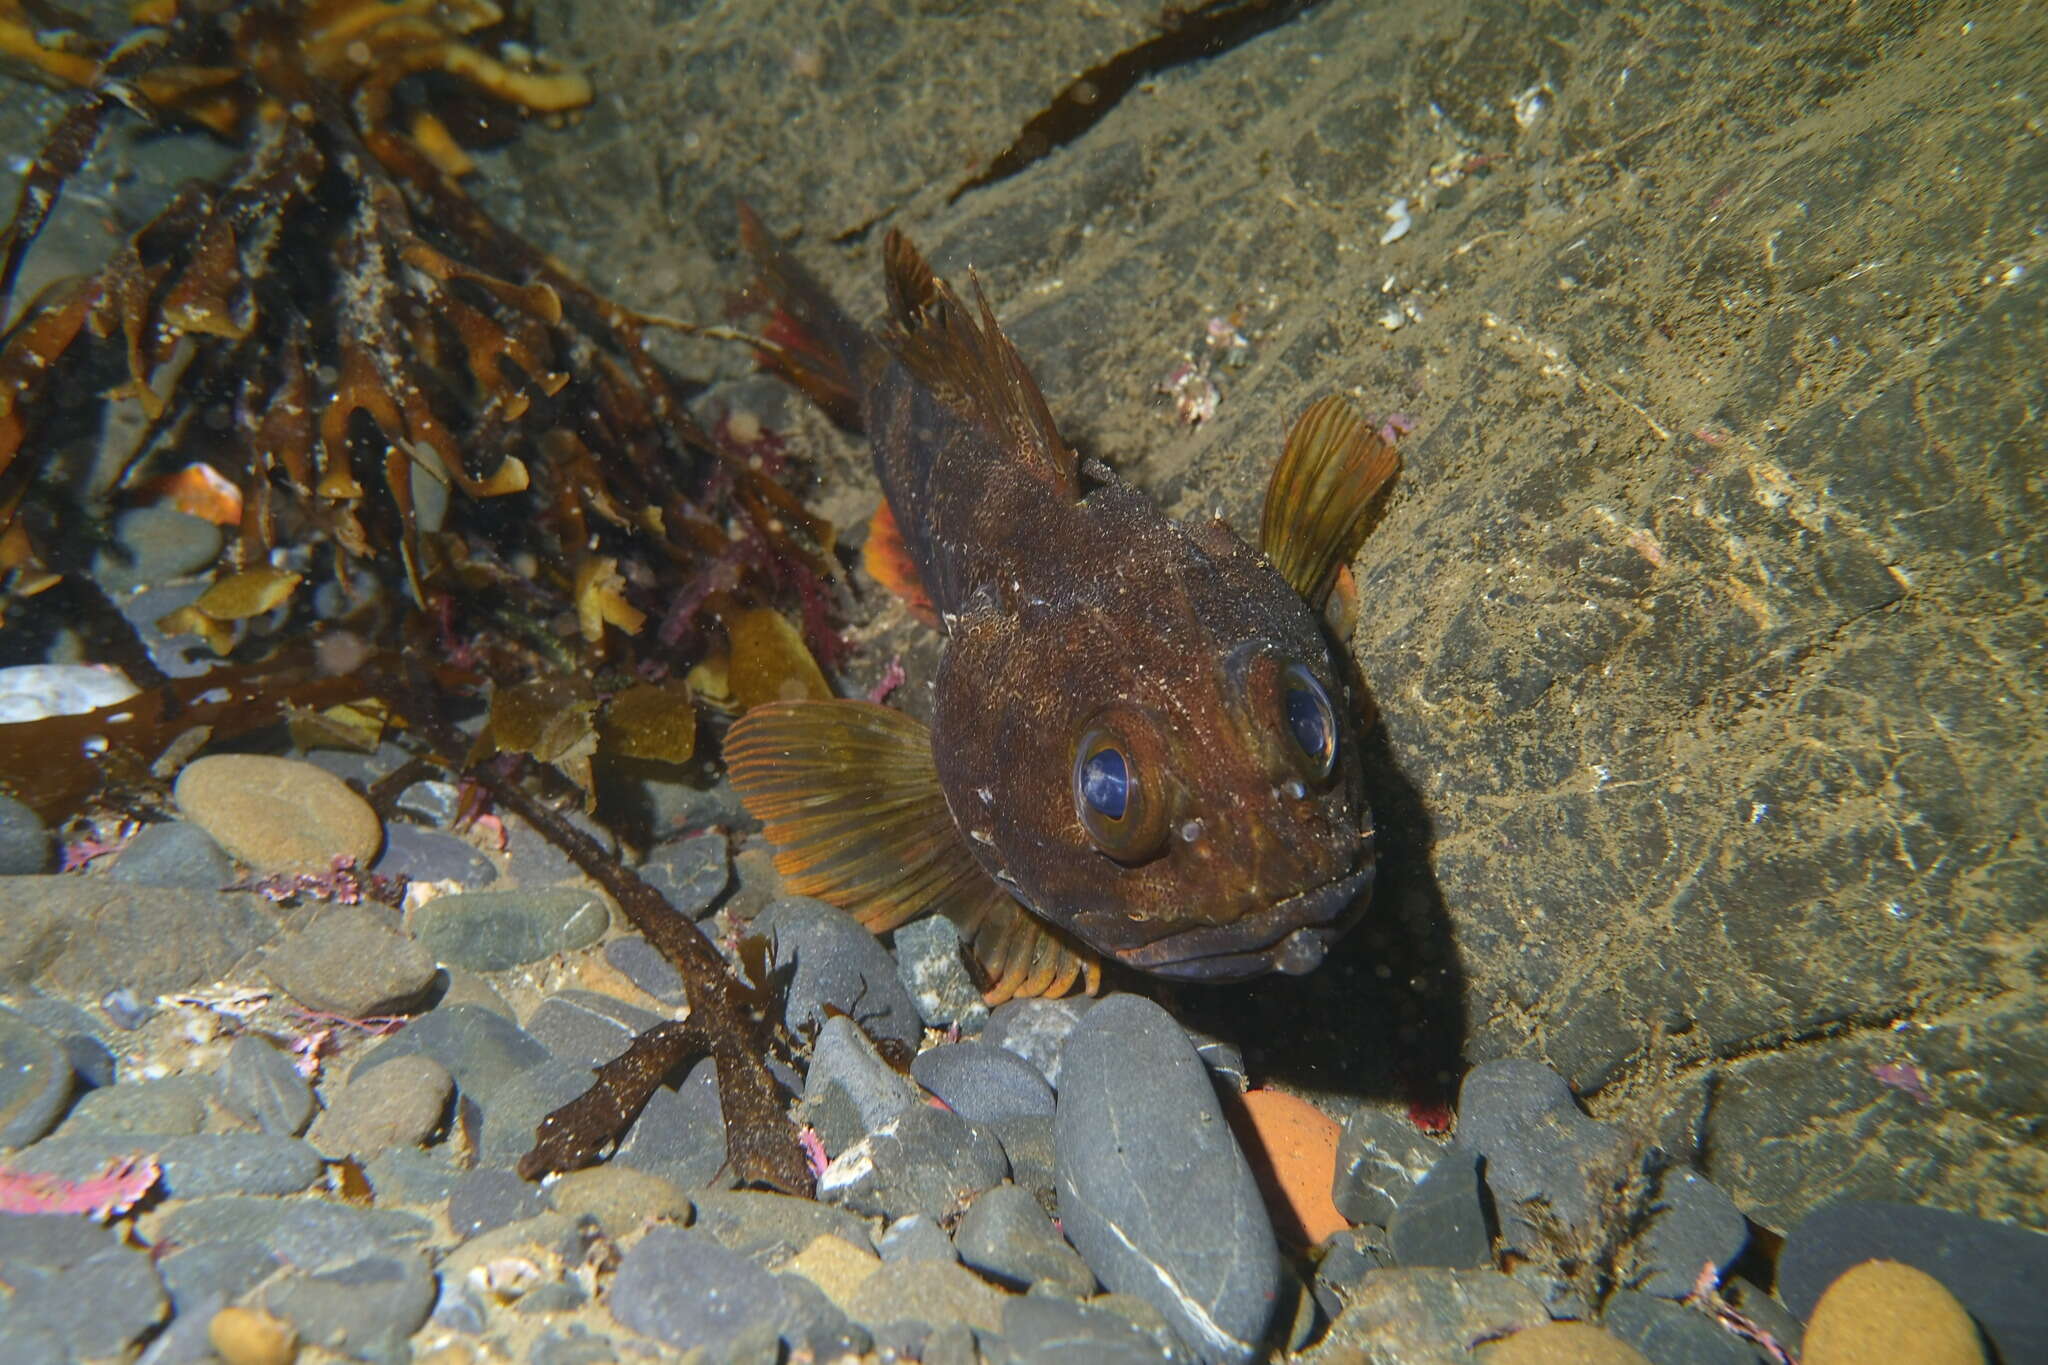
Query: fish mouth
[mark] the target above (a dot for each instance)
(1290, 936)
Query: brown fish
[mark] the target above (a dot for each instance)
(1143, 744)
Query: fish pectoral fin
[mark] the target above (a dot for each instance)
(1021, 955)
(887, 560)
(1320, 499)
(851, 801)
(964, 359)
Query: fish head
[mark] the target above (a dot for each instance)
(1161, 759)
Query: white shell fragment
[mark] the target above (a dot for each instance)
(1398, 222)
(37, 691)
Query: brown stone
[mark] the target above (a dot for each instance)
(1885, 1313)
(279, 815)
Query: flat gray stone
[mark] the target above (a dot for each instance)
(26, 849)
(173, 853)
(929, 961)
(644, 966)
(924, 1160)
(1005, 1235)
(982, 1082)
(426, 855)
(217, 1272)
(363, 1309)
(170, 1106)
(154, 545)
(680, 1135)
(849, 1090)
(838, 966)
(1380, 1157)
(52, 1243)
(588, 1028)
(35, 1081)
(682, 1287)
(260, 1084)
(1153, 1190)
(194, 1167)
(97, 1307)
(85, 936)
(1442, 1221)
(692, 872)
(312, 1234)
(494, 931)
(398, 1103)
(352, 960)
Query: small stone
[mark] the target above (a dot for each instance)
(1995, 1270)
(1547, 1164)
(84, 936)
(534, 862)
(96, 1308)
(849, 1090)
(1028, 1142)
(1292, 1147)
(619, 1198)
(680, 1135)
(934, 1292)
(25, 846)
(1425, 1314)
(681, 1287)
(410, 1175)
(838, 966)
(194, 1167)
(436, 802)
(929, 962)
(38, 691)
(35, 1081)
(1006, 1235)
(154, 545)
(1442, 1221)
(53, 1243)
(260, 1084)
(485, 1199)
(494, 931)
(772, 1227)
(1693, 1222)
(983, 1082)
(398, 1104)
(169, 1106)
(1884, 1311)
(1040, 1330)
(1036, 1029)
(1380, 1157)
(1346, 1259)
(1671, 1334)
(173, 853)
(1153, 1190)
(249, 1336)
(1560, 1343)
(425, 855)
(308, 1233)
(214, 1272)
(587, 1028)
(278, 814)
(915, 1237)
(511, 1116)
(125, 1009)
(925, 1161)
(353, 961)
(644, 966)
(692, 873)
(836, 1266)
(365, 1308)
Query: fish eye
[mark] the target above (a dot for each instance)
(1311, 721)
(1116, 799)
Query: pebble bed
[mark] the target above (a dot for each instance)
(330, 1100)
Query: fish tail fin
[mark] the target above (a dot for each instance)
(964, 359)
(817, 347)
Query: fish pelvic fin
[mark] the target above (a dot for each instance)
(850, 798)
(1320, 500)
(816, 346)
(965, 361)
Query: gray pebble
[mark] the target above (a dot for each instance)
(850, 1091)
(180, 656)
(1380, 1156)
(171, 1106)
(154, 545)
(1347, 1257)
(1036, 1030)
(364, 1309)
(26, 849)
(680, 1135)
(194, 1167)
(218, 1271)
(426, 855)
(923, 1161)
(1546, 1163)
(837, 964)
(1428, 1314)
(1668, 1334)
(1153, 1190)
(1040, 1330)
(929, 962)
(174, 853)
(773, 1227)
(125, 1009)
(983, 1082)
(1442, 1221)
(260, 1084)
(512, 1115)
(574, 1345)
(436, 802)
(534, 862)
(483, 1050)
(692, 873)
(495, 931)
(915, 1237)
(35, 1081)
(1005, 1235)
(485, 1199)
(53, 1243)
(1693, 1221)
(96, 1308)
(644, 966)
(1028, 1142)
(586, 1027)
(84, 936)
(408, 1175)
(311, 1234)
(353, 961)
(682, 1287)
(397, 1104)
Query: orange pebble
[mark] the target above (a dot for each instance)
(1292, 1148)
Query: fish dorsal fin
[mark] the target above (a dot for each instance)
(1319, 501)
(850, 798)
(964, 359)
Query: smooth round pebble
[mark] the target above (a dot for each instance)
(35, 1080)
(982, 1082)
(681, 1287)
(839, 966)
(1561, 1343)
(278, 814)
(249, 1336)
(174, 853)
(25, 845)
(352, 960)
(398, 1104)
(155, 544)
(495, 931)
(259, 1083)
(620, 1198)
(427, 855)
(1883, 1312)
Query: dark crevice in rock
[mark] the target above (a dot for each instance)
(1186, 35)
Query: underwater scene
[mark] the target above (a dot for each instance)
(900, 680)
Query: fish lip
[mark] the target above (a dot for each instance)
(1290, 936)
